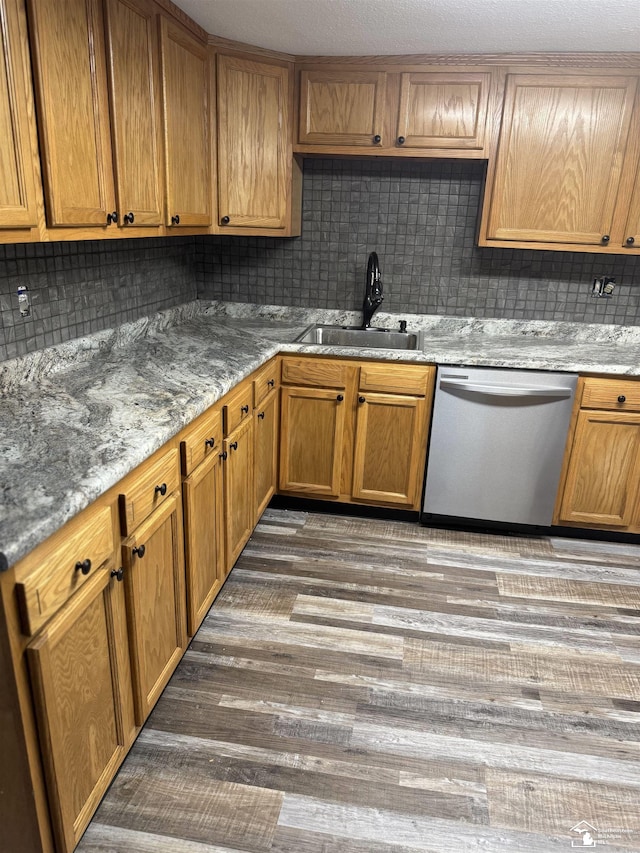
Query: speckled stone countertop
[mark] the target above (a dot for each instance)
(76, 418)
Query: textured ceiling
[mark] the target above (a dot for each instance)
(356, 27)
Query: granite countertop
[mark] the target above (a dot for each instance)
(78, 417)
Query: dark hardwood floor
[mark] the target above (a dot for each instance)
(362, 686)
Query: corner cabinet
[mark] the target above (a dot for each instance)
(421, 111)
(600, 486)
(258, 181)
(567, 156)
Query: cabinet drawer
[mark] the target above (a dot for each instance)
(620, 395)
(202, 440)
(267, 378)
(238, 407)
(396, 378)
(88, 543)
(147, 488)
(314, 371)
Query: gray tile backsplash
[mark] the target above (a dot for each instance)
(420, 217)
(84, 287)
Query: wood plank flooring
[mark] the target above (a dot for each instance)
(363, 686)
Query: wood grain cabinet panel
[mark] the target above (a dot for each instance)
(82, 694)
(631, 234)
(602, 481)
(133, 65)
(68, 52)
(560, 159)
(202, 494)
(265, 457)
(17, 172)
(443, 110)
(186, 123)
(342, 108)
(254, 148)
(390, 447)
(238, 490)
(154, 577)
(311, 440)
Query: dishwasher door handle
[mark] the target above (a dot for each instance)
(506, 390)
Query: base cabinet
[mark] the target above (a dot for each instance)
(82, 694)
(265, 453)
(601, 487)
(238, 490)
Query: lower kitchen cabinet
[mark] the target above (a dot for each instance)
(154, 578)
(265, 453)
(238, 490)
(81, 685)
(602, 482)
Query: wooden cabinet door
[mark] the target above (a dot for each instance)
(631, 236)
(312, 426)
(601, 486)
(253, 143)
(390, 449)
(133, 64)
(154, 576)
(559, 161)
(187, 142)
(266, 440)
(203, 538)
(82, 693)
(17, 172)
(71, 84)
(443, 110)
(342, 108)
(238, 490)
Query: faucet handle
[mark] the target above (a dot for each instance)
(403, 325)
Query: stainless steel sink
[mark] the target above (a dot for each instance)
(345, 336)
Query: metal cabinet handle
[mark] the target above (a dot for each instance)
(244, 409)
(339, 398)
(161, 489)
(233, 445)
(175, 220)
(377, 139)
(271, 383)
(209, 442)
(84, 566)
(225, 220)
(605, 238)
(223, 455)
(401, 140)
(630, 241)
(261, 415)
(112, 217)
(362, 399)
(139, 551)
(621, 398)
(128, 218)
(118, 574)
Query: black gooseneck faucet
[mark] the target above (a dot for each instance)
(373, 290)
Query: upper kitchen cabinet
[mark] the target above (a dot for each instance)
(418, 111)
(18, 148)
(186, 104)
(133, 64)
(258, 181)
(71, 85)
(566, 157)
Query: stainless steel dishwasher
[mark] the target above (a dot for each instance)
(497, 442)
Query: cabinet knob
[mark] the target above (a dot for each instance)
(209, 442)
(605, 238)
(377, 139)
(271, 383)
(112, 217)
(244, 409)
(630, 241)
(622, 398)
(233, 445)
(84, 566)
(401, 140)
(225, 220)
(362, 399)
(339, 398)
(139, 551)
(161, 489)
(223, 455)
(128, 218)
(261, 415)
(175, 220)
(118, 574)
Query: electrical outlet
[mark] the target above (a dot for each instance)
(608, 286)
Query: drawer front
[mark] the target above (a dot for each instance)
(314, 372)
(87, 545)
(201, 441)
(621, 395)
(391, 378)
(238, 407)
(150, 486)
(265, 380)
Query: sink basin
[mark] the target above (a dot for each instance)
(345, 336)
